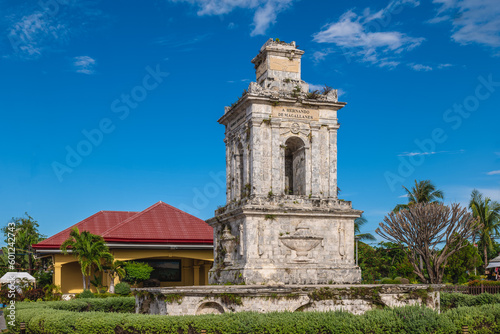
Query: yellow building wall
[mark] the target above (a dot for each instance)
(194, 267)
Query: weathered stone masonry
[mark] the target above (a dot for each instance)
(356, 299)
(283, 222)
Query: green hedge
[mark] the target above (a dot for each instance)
(453, 300)
(410, 319)
(116, 304)
(483, 282)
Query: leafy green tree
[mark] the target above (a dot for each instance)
(461, 265)
(488, 212)
(385, 260)
(89, 249)
(423, 192)
(24, 230)
(357, 229)
(137, 272)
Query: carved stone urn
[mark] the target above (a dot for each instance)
(228, 242)
(301, 241)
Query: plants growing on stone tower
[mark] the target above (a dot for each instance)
(326, 89)
(313, 95)
(422, 227)
(296, 91)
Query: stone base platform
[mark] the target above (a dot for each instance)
(217, 299)
(294, 274)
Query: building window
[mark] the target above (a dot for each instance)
(295, 162)
(165, 270)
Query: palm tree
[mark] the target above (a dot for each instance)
(360, 221)
(423, 192)
(89, 249)
(114, 268)
(488, 212)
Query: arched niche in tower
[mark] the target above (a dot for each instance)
(295, 166)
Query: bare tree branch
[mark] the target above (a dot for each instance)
(422, 227)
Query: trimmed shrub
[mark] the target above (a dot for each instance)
(115, 304)
(486, 283)
(410, 319)
(86, 294)
(454, 300)
(34, 294)
(122, 288)
(402, 280)
(388, 281)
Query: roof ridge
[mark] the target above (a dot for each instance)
(155, 205)
(134, 216)
(126, 220)
(177, 209)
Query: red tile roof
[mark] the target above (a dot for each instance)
(160, 223)
(97, 224)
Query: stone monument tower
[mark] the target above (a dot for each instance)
(283, 222)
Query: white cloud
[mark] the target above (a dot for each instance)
(494, 172)
(411, 154)
(420, 67)
(473, 21)
(30, 35)
(389, 64)
(242, 80)
(84, 64)
(441, 66)
(461, 194)
(37, 28)
(315, 87)
(367, 37)
(265, 14)
(321, 55)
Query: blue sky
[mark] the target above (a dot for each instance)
(137, 87)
